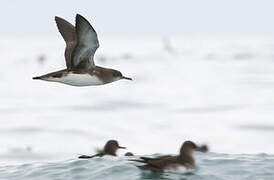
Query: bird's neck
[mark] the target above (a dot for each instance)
(112, 153)
(187, 157)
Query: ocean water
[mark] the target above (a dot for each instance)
(212, 90)
(211, 166)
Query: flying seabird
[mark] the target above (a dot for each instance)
(81, 45)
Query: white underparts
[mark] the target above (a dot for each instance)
(77, 79)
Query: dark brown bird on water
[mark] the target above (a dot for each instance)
(110, 148)
(185, 159)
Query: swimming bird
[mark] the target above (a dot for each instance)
(161, 163)
(81, 45)
(110, 148)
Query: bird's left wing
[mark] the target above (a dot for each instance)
(68, 33)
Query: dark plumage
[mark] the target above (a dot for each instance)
(185, 159)
(110, 148)
(68, 33)
(81, 45)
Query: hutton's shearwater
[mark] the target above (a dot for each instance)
(109, 149)
(161, 163)
(81, 44)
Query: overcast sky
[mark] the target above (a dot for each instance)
(142, 17)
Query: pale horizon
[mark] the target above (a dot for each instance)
(140, 18)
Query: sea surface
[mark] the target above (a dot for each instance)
(212, 166)
(215, 90)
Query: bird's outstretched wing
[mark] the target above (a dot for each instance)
(157, 158)
(155, 164)
(68, 33)
(88, 157)
(146, 159)
(87, 44)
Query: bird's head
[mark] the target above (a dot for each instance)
(112, 146)
(117, 75)
(188, 147)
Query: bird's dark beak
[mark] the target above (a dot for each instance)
(123, 77)
(202, 148)
(121, 147)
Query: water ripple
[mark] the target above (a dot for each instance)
(210, 166)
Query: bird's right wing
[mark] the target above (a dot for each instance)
(161, 162)
(87, 44)
(158, 162)
(156, 158)
(146, 159)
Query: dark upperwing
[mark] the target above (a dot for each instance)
(87, 44)
(68, 33)
(146, 159)
(157, 158)
(156, 164)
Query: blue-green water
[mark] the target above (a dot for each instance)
(209, 166)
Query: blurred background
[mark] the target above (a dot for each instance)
(202, 70)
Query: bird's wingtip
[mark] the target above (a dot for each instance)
(78, 15)
(57, 18)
